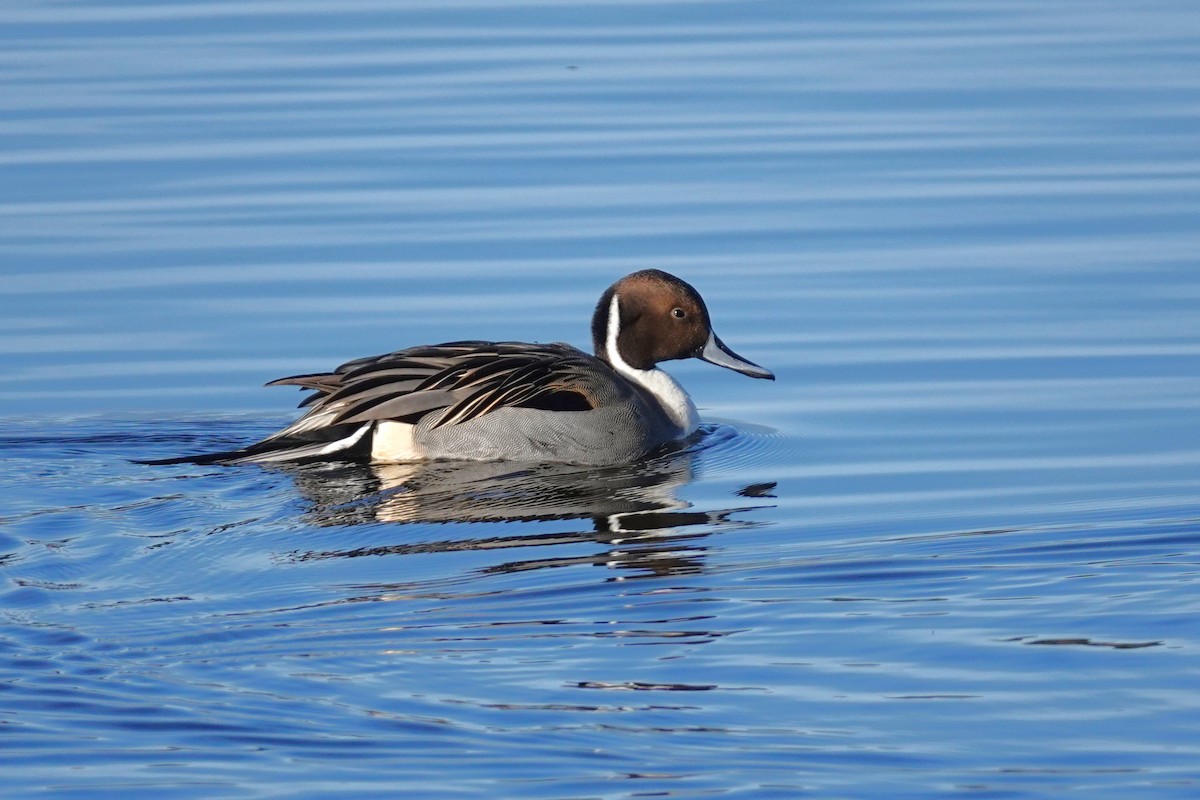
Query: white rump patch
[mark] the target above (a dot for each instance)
(393, 441)
(666, 390)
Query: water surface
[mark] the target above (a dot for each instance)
(952, 551)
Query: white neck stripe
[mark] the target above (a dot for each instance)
(669, 394)
(610, 341)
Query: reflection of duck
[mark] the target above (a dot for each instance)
(487, 491)
(634, 511)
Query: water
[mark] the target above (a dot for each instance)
(952, 551)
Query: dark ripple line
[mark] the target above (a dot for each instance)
(728, 449)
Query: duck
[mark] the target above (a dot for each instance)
(513, 401)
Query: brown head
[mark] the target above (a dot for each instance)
(659, 317)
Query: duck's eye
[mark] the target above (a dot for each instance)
(678, 313)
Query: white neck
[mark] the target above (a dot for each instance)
(669, 394)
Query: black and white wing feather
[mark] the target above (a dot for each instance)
(460, 381)
(456, 382)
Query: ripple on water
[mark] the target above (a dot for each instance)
(450, 608)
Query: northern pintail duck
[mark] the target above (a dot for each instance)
(514, 401)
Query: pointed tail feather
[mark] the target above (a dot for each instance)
(274, 451)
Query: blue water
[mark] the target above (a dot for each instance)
(952, 551)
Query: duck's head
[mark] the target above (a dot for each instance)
(652, 316)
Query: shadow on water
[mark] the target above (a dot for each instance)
(635, 511)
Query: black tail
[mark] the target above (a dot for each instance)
(342, 442)
(225, 457)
